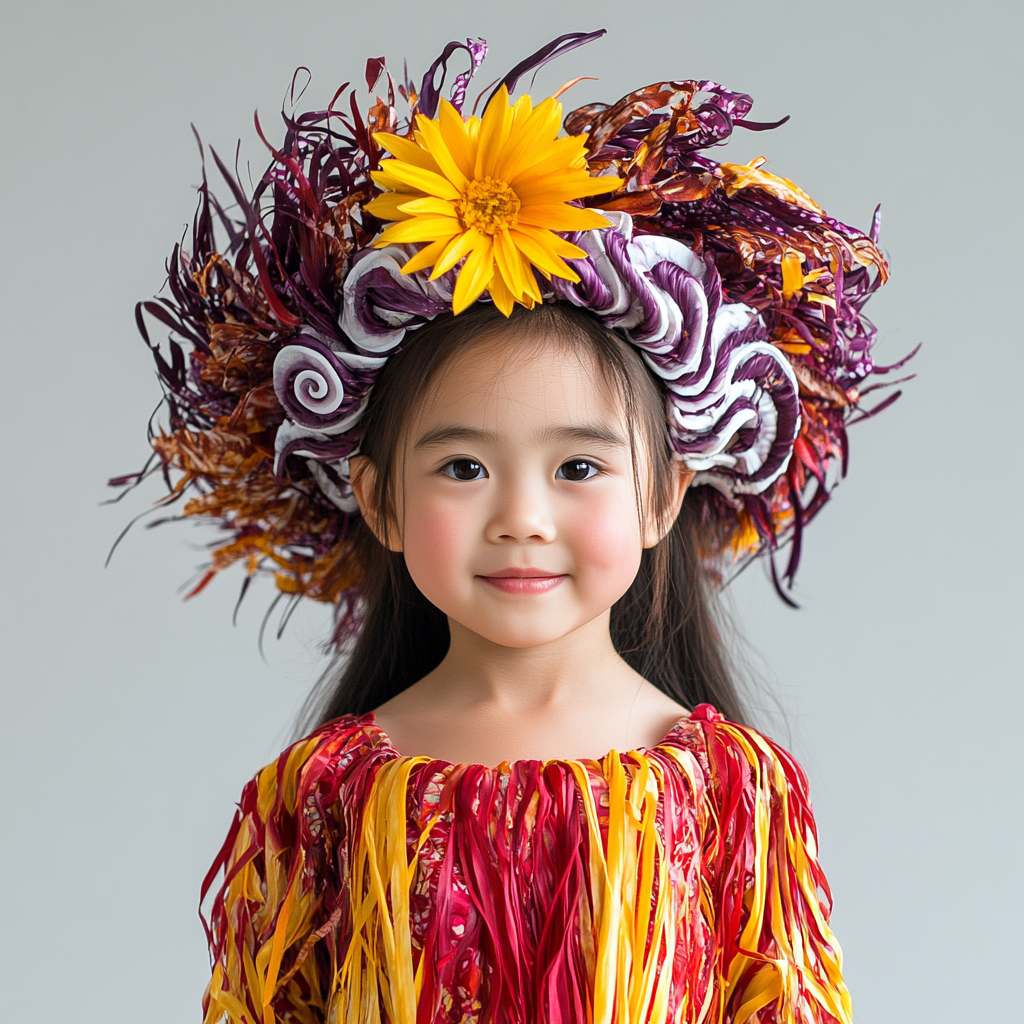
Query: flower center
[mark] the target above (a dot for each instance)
(488, 205)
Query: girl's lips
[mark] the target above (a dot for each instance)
(524, 581)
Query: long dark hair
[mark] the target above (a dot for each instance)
(667, 626)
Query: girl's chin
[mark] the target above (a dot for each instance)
(522, 641)
(520, 632)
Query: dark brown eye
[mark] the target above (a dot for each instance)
(576, 469)
(464, 469)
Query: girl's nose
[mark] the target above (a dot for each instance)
(521, 514)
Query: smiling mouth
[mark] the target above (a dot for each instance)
(524, 581)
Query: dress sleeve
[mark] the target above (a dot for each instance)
(264, 917)
(778, 958)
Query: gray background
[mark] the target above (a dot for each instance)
(130, 719)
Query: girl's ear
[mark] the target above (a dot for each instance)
(682, 477)
(363, 474)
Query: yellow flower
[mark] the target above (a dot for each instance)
(492, 191)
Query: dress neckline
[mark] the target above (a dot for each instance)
(504, 766)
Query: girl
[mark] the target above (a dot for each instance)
(518, 404)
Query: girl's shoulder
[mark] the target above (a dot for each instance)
(281, 791)
(740, 766)
(724, 746)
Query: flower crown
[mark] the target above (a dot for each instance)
(743, 297)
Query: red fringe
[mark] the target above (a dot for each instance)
(502, 908)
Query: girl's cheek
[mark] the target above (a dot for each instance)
(605, 534)
(437, 537)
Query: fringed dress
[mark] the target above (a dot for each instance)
(678, 883)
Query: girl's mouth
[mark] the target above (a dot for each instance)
(524, 581)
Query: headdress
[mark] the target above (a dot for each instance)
(743, 296)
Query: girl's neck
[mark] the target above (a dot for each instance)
(485, 703)
(580, 667)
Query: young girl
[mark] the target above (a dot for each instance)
(518, 405)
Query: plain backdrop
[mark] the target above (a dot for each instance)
(130, 719)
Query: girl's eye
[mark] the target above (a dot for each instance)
(464, 469)
(576, 469)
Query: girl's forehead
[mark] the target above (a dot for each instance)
(504, 382)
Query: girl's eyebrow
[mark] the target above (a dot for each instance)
(586, 433)
(446, 433)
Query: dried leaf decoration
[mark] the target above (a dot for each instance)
(271, 266)
(806, 274)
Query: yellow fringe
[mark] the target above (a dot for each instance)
(796, 966)
(378, 964)
(283, 903)
(632, 980)
(628, 982)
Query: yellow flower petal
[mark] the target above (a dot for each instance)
(438, 148)
(501, 296)
(506, 258)
(559, 157)
(555, 243)
(386, 205)
(383, 179)
(457, 249)
(406, 149)
(420, 229)
(494, 129)
(426, 181)
(558, 188)
(531, 294)
(541, 255)
(474, 277)
(426, 257)
(531, 140)
(411, 206)
(456, 137)
(561, 217)
(521, 110)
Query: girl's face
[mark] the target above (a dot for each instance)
(517, 510)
